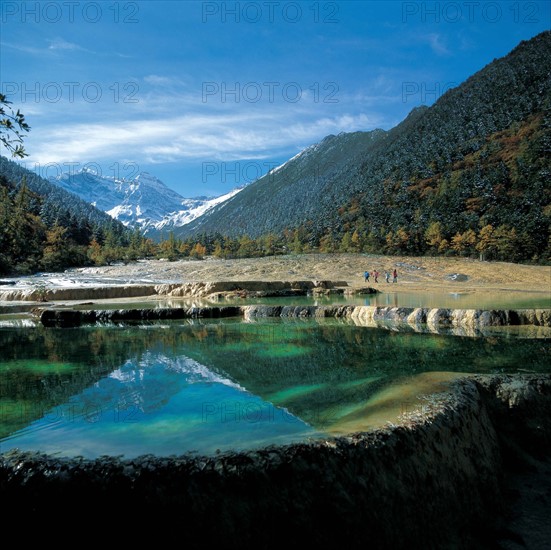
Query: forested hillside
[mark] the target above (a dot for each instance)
(290, 192)
(44, 227)
(468, 175)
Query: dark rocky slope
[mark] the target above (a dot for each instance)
(444, 478)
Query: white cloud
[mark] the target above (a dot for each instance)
(435, 42)
(22, 48)
(156, 80)
(61, 44)
(55, 45)
(177, 126)
(229, 136)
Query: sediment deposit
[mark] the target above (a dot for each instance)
(77, 293)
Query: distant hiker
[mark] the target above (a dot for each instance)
(387, 276)
(376, 276)
(366, 276)
(394, 276)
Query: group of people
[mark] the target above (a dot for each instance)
(375, 274)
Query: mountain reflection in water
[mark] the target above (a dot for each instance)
(170, 388)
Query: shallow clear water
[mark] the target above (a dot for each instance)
(457, 300)
(465, 300)
(170, 388)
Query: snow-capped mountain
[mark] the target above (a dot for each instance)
(144, 201)
(193, 208)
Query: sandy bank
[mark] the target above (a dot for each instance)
(415, 274)
(420, 273)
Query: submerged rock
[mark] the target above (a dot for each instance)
(60, 318)
(72, 318)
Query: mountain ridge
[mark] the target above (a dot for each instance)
(371, 186)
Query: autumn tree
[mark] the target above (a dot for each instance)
(198, 251)
(346, 243)
(95, 252)
(486, 241)
(505, 242)
(464, 243)
(356, 241)
(434, 237)
(57, 250)
(218, 251)
(402, 239)
(169, 248)
(246, 247)
(327, 243)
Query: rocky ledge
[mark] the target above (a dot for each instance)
(463, 321)
(34, 294)
(218, 290)
(418, 319)
(443, 478)
(215, 290)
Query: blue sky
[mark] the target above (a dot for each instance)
(210, 95)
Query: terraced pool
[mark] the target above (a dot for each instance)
(204, 386)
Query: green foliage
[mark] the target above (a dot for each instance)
(56, 254)
(21, 229)
(41, 290)
(12, 126)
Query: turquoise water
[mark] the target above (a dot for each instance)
(169, 388)
(159, 404)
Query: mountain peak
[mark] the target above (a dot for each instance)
(143, 201)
